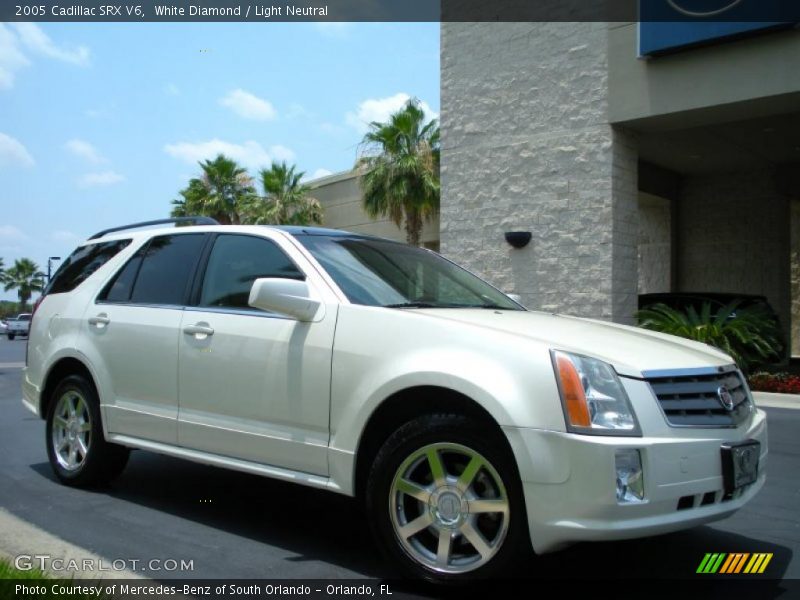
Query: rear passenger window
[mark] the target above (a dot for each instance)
(236, 261)
(158, 273)
(81, 264)
(166, 267)
(120, 288)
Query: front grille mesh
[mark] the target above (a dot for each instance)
(692, 400)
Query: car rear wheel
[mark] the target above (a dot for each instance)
(78, 452)
(10, 336)
(445, 500)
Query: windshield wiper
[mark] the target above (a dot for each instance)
(411, 305)
(488, 305)
(493, 306)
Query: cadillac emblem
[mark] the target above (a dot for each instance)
(725, 398)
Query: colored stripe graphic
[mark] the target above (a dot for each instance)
(734, 563)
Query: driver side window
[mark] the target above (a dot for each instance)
(236, 261)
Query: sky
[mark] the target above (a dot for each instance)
(103, 124)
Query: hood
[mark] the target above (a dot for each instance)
(630, 350)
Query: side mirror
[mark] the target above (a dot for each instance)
(288, 297)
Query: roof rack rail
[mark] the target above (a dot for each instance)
(195, 220)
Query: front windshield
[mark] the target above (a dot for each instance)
(379, 272)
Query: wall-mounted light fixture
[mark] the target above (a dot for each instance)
(518, 239)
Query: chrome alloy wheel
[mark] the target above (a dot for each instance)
(71, 430)
(449, 508)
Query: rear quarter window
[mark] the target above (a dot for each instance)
(81, 264)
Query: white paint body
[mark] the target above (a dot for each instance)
(289, 399)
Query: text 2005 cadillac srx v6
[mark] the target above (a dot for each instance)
(472, 429)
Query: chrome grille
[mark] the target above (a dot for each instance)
(693, 400)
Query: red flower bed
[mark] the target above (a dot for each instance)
(779, 383)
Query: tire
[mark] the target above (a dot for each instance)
(10, 336)
(79, 454)
(431, 525)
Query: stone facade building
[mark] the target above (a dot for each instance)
(675, 171)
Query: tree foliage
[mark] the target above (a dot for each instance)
(285, 200)
(398, 169)
(750, 335)
(25, 277)
(225, 192)
(220, 192)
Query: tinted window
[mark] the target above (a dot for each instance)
(167, 265)
(81, 264)
(24, 318)
(119, 290)
(235, 262)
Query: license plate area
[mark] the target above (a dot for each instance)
(740, 464)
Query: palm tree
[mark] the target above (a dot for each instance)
(26, 278)
(399, 169)
(220, 192)
(285, 200)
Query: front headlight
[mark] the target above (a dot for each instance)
(592, 395)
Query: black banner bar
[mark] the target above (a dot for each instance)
(400, 10)
(699, 586)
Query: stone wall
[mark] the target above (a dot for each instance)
(655, 244)
(526, 145)
(734, 237)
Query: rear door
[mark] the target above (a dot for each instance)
(133, 330)
(253, 385)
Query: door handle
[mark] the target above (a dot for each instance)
(199, 330)
(100, 320)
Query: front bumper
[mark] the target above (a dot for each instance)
(569, 483)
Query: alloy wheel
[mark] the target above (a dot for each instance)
(71, 430)
(449, 508)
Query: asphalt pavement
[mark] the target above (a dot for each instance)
(235, 525)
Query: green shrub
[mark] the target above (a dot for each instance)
(750, 335)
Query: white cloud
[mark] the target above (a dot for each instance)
(17, 38)
(248, 106)
(380, 109)
(281, 153)
(100, 179)
(13, 153)
(39, 42)
(172, 90)
(84, 150)
(10, 234)
(11, 57)
(250, 154)
(319, 173)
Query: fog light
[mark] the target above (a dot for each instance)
(630, 480)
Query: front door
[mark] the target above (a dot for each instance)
(253, 385)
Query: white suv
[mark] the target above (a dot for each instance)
(473, 429)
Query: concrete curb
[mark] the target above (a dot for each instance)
(21, 539)
(771, 400)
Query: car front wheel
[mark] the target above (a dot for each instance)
(445, 500)
(78, 453)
